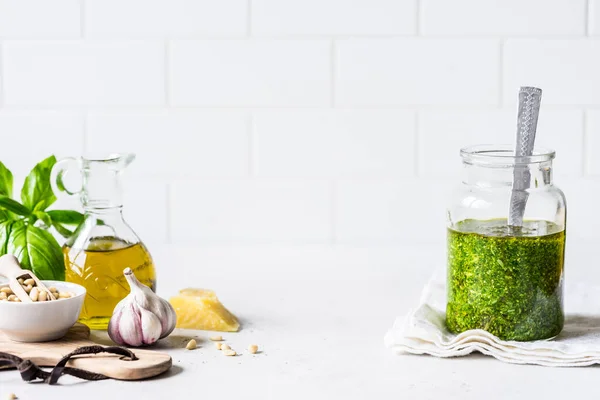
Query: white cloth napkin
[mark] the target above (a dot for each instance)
(423, 331)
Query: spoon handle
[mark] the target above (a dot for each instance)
(529, 109)
(10, 267)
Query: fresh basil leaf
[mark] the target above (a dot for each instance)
(5, 228)
(44, 217)
(37, 194)
(4, 215)
(64, 232)
(13, 206)
(66, 217)
(37, 250)
(6, 181)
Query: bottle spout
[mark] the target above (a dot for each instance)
(102, 180)
(114, 161)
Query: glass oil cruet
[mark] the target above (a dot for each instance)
(104, 244)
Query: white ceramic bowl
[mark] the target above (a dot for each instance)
(43, 321)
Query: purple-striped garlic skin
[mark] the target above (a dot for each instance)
(142, 317)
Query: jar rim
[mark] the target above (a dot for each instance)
(503, 155)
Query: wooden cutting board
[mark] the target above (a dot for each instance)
(47, 354)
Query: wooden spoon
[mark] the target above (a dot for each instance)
(11, 269)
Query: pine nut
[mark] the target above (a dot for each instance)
(12, 396)
(229, 353)
(216, 338)
(3, 296)
(6, 290)
(253, 348)
(225, 347)
(17, 300)
(53, 289)
(64, 295)
(29, 281)
(28, 288)
(34, 294)
(43, 296)
(12, 297)
(21, 282)
(191, 344)
(218, 345)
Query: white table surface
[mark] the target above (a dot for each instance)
(321, 337)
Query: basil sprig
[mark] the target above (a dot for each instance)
(24, 225)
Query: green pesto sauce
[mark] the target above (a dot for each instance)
(507, 281)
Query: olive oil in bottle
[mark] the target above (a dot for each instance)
(103, 245)
(99, 268)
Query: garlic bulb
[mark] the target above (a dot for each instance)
(142, 317)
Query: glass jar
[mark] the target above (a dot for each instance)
(104, 244)
(507, 280)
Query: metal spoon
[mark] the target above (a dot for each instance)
(529, 109)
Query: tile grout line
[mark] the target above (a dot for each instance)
(251, 146)
(84, 127)
(332, 218)
(388, 107)
(249, 18)
(587, 22)
(168, 233)
(584, 158)
(501, 73)
(332, 73)
(416, 145)
(322, 37)
(418, 17)
(167, 72)
(82, 18)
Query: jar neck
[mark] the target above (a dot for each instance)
(101, 188)
(108, 215)
(540, 175)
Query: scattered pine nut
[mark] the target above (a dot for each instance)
(229, 353)
(12, 396)
(216, 338)
(191, 344)
(225, 347)
(253, 348)
(218, 345)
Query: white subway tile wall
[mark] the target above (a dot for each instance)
(250, 72)
(83, 73)
(286, 123)
(416, 71)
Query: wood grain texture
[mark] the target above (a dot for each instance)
(150, 363)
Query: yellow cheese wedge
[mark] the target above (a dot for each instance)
(200, 309)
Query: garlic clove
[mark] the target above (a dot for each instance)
(129, 326)
(151, 326)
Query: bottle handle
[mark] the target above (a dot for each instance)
(58, 173)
